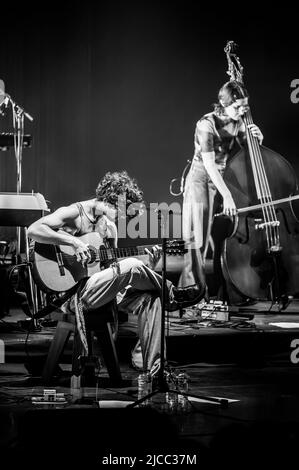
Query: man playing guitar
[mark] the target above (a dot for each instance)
(67, 225)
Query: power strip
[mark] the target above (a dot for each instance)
(42, 401)
(49, 397)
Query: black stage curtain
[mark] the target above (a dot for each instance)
(120, 85)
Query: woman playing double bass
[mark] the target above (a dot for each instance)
(218, 135)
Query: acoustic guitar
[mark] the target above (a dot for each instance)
(56, 269)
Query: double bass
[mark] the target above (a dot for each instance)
(260, 251)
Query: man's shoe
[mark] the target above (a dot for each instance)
(184, 297)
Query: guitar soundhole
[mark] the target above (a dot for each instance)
(93, 253)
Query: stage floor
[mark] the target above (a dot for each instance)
(247, 360)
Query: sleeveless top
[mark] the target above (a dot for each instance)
(223, 136)
(87, 225)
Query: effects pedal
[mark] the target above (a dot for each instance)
(217, 310)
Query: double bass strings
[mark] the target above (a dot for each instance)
(262, 187)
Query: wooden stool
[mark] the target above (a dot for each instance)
(98, 322)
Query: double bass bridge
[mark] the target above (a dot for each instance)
(262, 225)
(273, 241)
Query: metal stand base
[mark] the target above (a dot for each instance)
(162, 384)
(30, 324)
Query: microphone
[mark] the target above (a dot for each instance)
(4, 99)
(2, 89)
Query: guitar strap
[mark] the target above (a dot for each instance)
(80, 320)
(56, 303)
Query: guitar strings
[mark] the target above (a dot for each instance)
(105, 254)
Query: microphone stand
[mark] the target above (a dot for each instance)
(18, 124)
(162, 385)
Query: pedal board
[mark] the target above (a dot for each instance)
(220, 311)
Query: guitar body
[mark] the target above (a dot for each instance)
(53, 276)
(56, 269)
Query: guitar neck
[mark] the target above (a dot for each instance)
(106, 254)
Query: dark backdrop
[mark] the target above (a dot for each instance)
(120, 85)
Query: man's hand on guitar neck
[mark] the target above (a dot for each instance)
(81, 251)
(154, 256)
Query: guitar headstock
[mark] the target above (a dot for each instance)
(175, 247)
(235, 69)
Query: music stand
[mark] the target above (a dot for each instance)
(21, 210)
(162, 385)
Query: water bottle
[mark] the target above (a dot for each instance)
(144, 387)
(76, 390)
(182, 386)
(171, 397)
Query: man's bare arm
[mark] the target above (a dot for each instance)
(46, 230)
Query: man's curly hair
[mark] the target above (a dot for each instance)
(116, 185)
